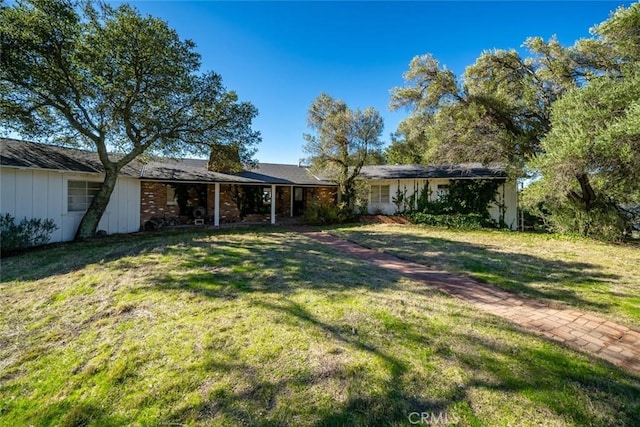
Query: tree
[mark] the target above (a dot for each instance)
(497, 113)
(590, 165)
(502, 111)
(343, 141)
(121, 84)
(590, 159)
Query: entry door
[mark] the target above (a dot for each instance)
(298, 201)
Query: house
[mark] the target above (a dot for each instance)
(388, 181)
(44, 181)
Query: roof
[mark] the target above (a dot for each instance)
(462, 170)
(24, 154)
(262, 173)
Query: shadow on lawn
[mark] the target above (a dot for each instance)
(228, 268)
(225, 268)
(62, 258)
(554, 280)
(575, 390)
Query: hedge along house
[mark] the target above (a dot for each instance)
(45, 181)
(394, 187)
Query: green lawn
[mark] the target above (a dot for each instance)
(593, 276)
(266, 327)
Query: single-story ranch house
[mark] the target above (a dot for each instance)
(44, 181)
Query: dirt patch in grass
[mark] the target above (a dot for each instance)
(383, 219)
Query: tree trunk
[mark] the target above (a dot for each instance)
(587, 196)
(91, 218)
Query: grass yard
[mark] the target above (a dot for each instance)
(266, 327)
(594, 276)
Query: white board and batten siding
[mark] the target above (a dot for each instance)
(38, 193)
(507, 195)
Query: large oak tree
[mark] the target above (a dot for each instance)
(503, 109)
(114, 81)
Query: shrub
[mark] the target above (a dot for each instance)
(318, 213)
(465, 221)
(29, 232)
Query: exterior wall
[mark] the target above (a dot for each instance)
(326, 194)
(507, 195)
(153, 201)
(36, 193)
(283, 201)
(229, 212)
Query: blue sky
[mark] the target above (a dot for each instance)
(281, 55)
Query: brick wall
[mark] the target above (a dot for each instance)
(153, 201)
(229, 212)
(283, 201)
(326, 195)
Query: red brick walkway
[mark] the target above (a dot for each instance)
(582, 331)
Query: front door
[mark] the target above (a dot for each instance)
(298, 201)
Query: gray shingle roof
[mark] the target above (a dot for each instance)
(39, 156)
(31, 155)
(462, 170)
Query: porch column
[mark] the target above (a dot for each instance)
(291, 207)
(216, 206)
(273, 204)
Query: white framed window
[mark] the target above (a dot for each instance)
(380, 194)
(442, 191)
(171, 196)
(80, 194)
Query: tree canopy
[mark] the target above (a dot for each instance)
(568, 113)
(342, 142)
(110, 79)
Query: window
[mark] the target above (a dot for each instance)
(442, 191)
(80, 194)
(380, 194)
(171, 195)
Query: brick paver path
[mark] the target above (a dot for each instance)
(582, 331)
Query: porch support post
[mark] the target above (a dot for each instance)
(216, 206)
(291, 207)
(273, 204)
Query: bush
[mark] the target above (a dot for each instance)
(28, 233)
(318, 213)
(466, 221)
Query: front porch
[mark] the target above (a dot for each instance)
(226, 203)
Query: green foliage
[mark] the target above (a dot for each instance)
(27, 233)
(361, 197)
(317, 213)
(463, 221)
(422, 201)
(603, 221)
(465, 206)
(401, 200)
(104, 77)
(591, 162)
(343, 142)
(569, 113)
